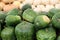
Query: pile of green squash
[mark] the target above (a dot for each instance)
(26, 24)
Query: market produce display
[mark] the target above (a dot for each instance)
(29, 19)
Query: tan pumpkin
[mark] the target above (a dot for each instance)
(7, 1)
(9, 7)
(1, 5)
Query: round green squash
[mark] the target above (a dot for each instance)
(14, 11)
(12, 20)
(29, 15)
(46, 34)
(2, 16)
(7, 33)
(41, 21)
(56, 20)
(24, 31)
(52, 12)
(26, 6)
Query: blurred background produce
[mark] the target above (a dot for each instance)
(29, 19)
(37, 5)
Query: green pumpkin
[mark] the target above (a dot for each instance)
(41, 21)
(12, 20)
(29, 15)
(46, 34)
(52, 12)
(7, 33)
(24, 31)
(14, 12)
(26, 6)
(2, 16)
(56, 20)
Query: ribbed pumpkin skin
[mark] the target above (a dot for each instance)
(56, 20)
(29, 15)
(24, 31)
(46, 34)
(8, 33)
(53, 11)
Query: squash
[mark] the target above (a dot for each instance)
(24, 31)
